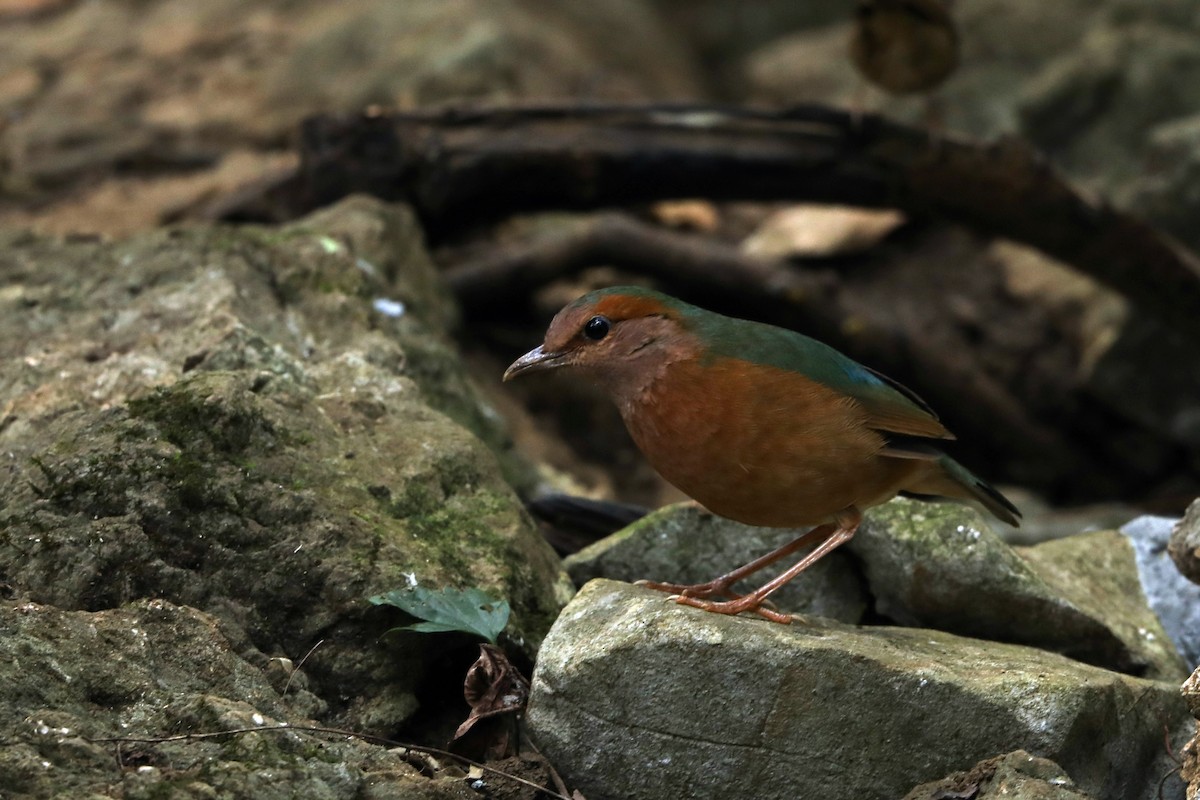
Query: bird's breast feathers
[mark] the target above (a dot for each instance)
(733, 433)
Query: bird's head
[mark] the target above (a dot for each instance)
(614, 334)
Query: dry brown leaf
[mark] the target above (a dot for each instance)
(820, 231)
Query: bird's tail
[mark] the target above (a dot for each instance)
(951, 479)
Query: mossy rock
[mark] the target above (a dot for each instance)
(222, 419)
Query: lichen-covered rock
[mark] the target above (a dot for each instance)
(1189, 768)
(269, 426)
(1191, 693)
(939, 565)
(1185, 543)
(1013, 776)
(637, 698)
(72, 679)
(684, 543)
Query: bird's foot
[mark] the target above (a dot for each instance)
(741, 604)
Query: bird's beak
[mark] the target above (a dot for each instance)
(535, 360)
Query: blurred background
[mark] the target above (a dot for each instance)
(118, 116)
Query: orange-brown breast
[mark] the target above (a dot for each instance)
(759, 444)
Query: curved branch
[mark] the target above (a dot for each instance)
(459, 167)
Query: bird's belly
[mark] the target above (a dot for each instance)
(777, 456)
(784, 489)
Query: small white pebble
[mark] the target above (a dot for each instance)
(388, 307)
(257, 718)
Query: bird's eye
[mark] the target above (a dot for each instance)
(596, 328)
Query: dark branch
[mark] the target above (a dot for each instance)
(461, 167)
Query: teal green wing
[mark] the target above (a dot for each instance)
(891, 407)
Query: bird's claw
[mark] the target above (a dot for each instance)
(733, 607)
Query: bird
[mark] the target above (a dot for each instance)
(904, 46)
(759, 424)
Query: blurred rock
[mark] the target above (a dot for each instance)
(223, 419)
(1167, 399)
(684, 543)
(119, 115)
(427, 53)
(804, 66)
(637, 698)
(1166, 189)
(939, 565)
(723, 30)
(1003, 44)
(1041, 522)
(1097, 104)
(1014, 776)
(1185, 543)
(1079, 307)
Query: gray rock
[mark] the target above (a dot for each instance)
(1185, 543)
(939, 565)
(1175, 599)
(1013, 776)
(219, 418)
(152, 669)
(685, 543)
(637, 698)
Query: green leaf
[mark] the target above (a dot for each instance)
(466, 610)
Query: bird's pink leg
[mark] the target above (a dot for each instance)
(848, 522)
(721, 585)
